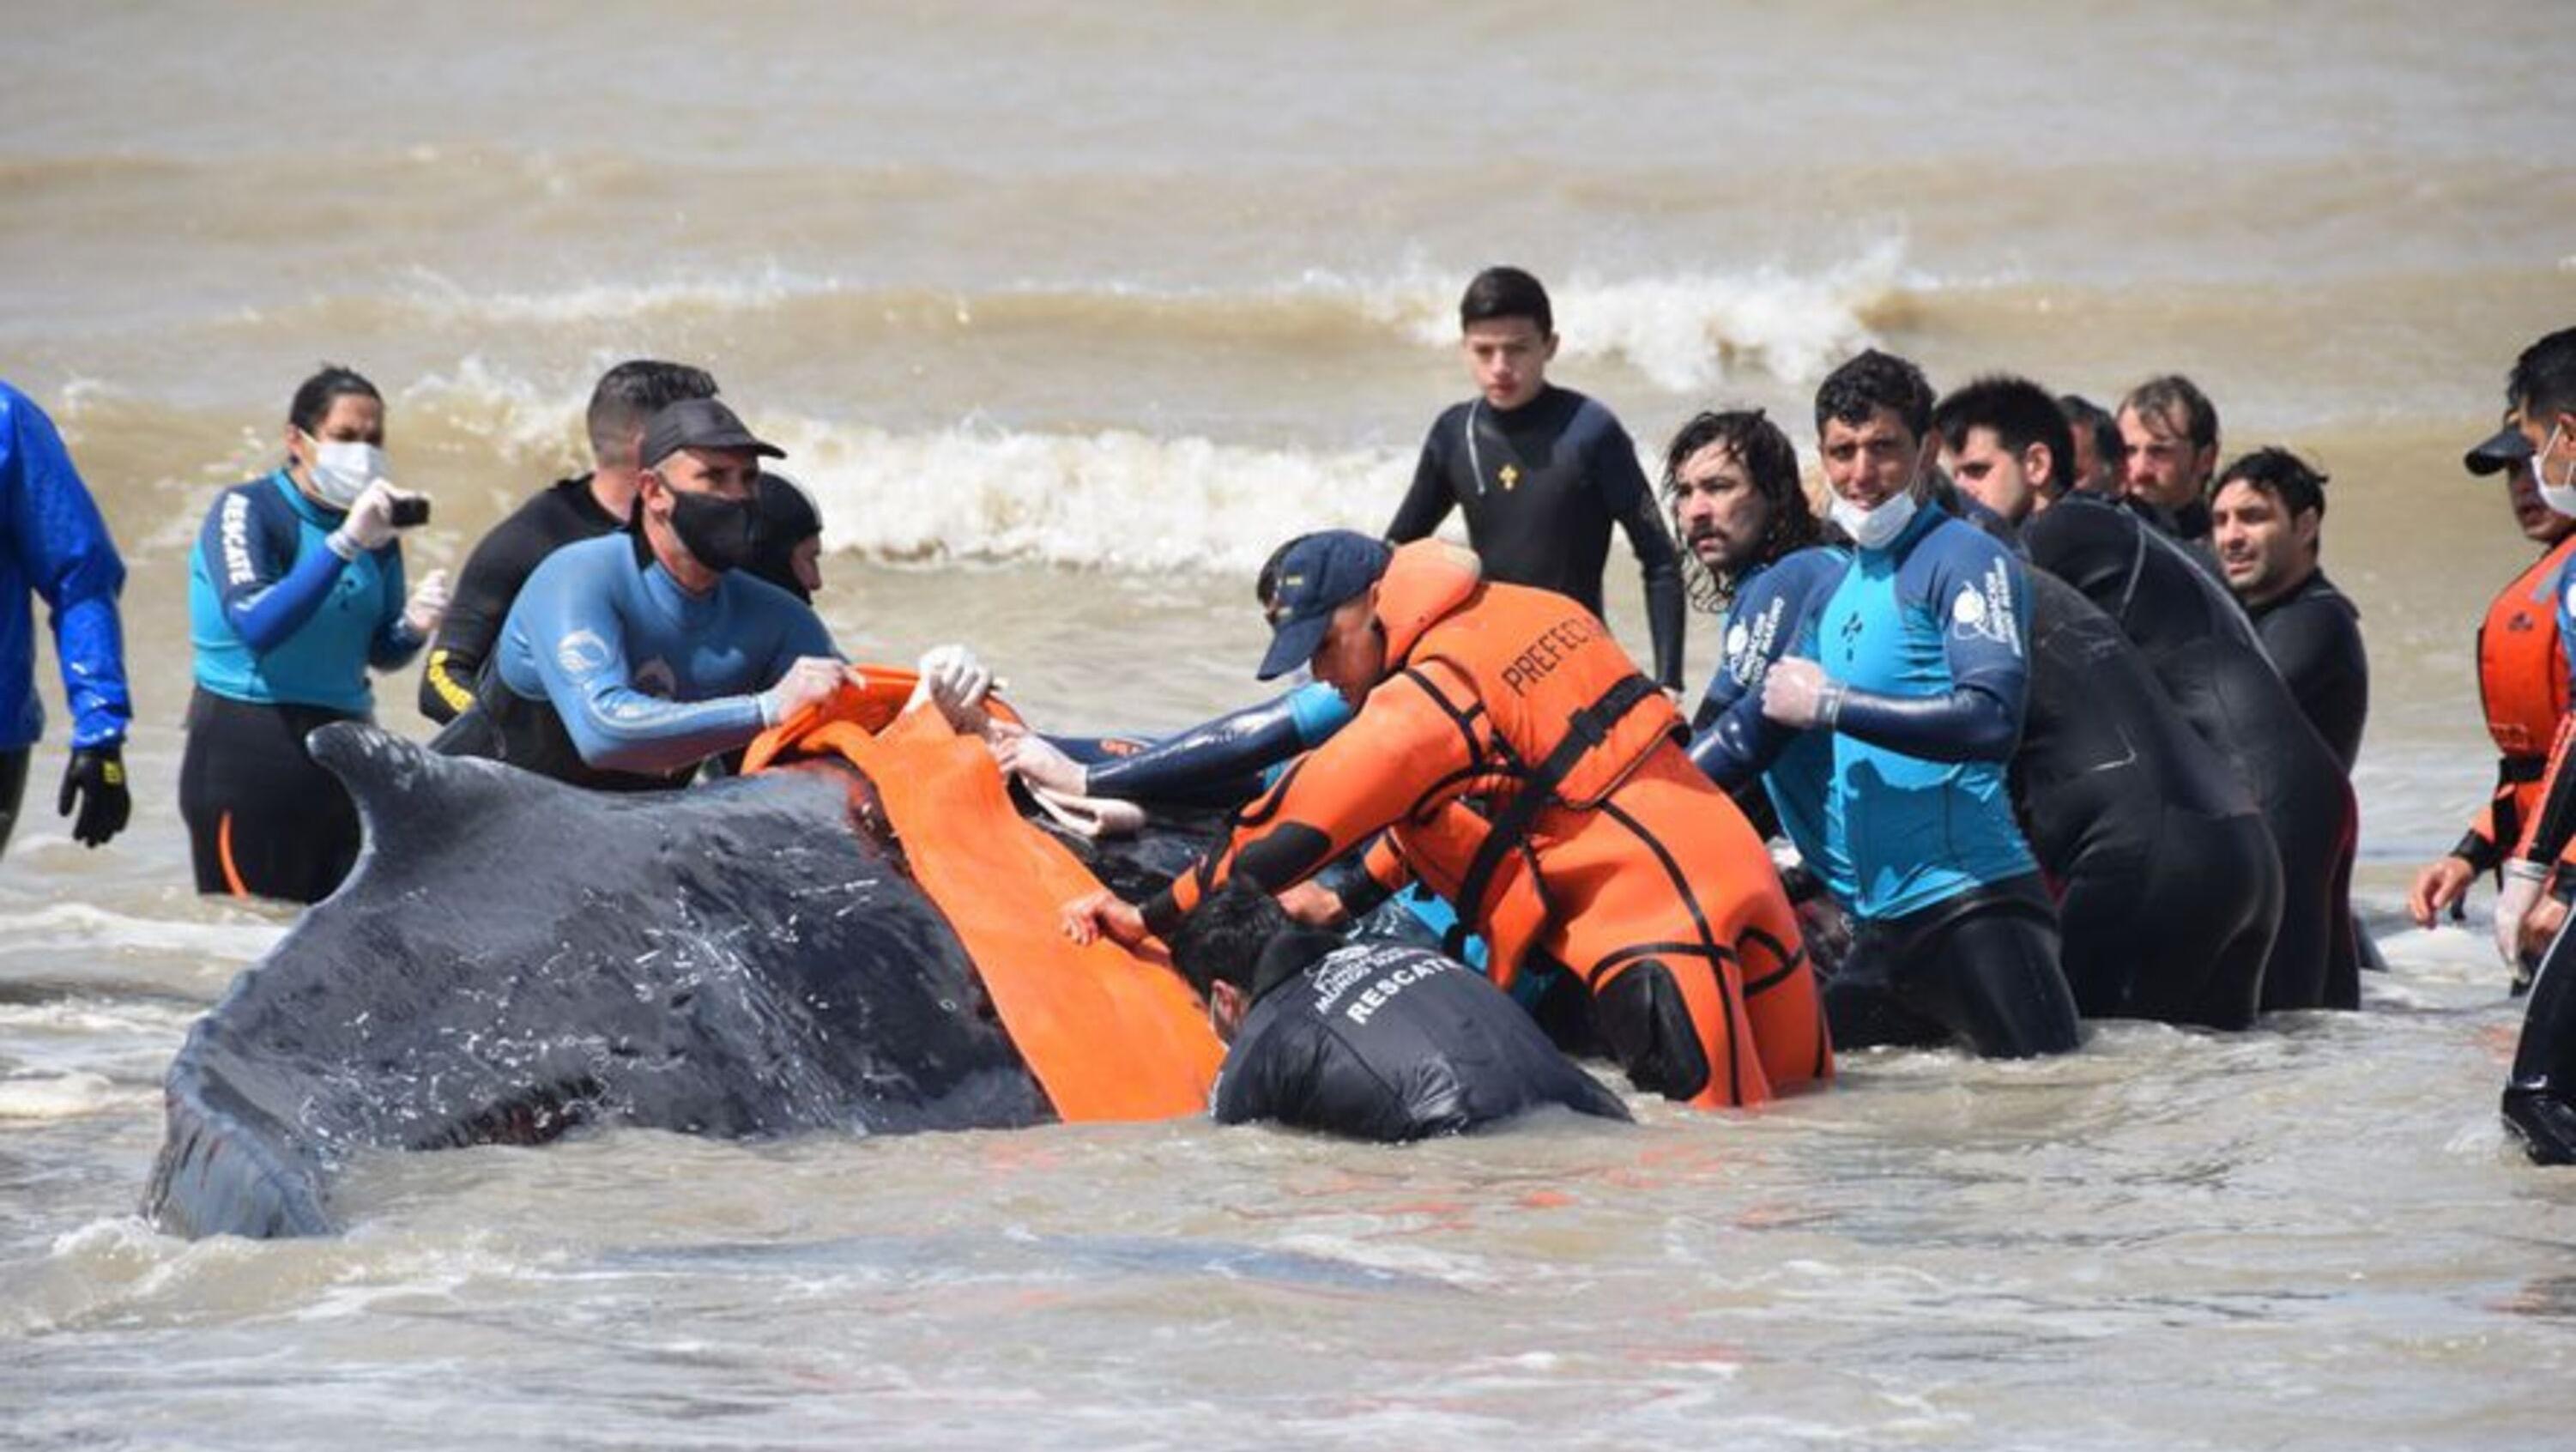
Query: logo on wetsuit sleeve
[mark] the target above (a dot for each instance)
(1749, 646)
(581, 653)
(236, 538)
(1984, 611)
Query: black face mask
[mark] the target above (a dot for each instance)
(722, 534)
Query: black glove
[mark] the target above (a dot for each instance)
(96, 779)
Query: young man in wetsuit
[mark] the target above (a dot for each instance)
(1541, 471)
(2169, 444)
(629, 659)
(1915, 666)
(2168, 883)
(2540, 1095)
(2212, 665)
(2265, 521)
(584, 507)
(2523, 685)
(1374, 1040)
(1519, 765)
(53, 544)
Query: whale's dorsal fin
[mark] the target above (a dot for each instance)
(411, 799)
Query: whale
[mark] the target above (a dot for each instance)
(513, 958)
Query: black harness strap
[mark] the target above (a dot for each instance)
(1584, 730)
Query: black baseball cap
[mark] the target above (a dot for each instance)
(1310, 579)
(700, 423)
(2507, 448)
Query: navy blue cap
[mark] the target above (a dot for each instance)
(700, 423)
(2507, 448)
(1306, 582)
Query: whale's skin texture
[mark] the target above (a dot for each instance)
(512, 958)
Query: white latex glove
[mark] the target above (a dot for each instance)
(2523, 882)
(953, 679)
(370, 524)
(1797, 692)
(810, 681)
(1043, 765)
(428, 604)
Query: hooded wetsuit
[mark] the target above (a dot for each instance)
(1541, 487)
(285, 631)
(2313, 634)
(53, 544)
(566, 512)
(1386, 1042)
(608, 674)
(2212, 664)
(1927, 641)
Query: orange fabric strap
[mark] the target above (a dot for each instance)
(1111, 1033)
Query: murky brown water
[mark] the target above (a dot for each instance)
(1068, 318)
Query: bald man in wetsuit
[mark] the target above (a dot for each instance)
(1542, 472)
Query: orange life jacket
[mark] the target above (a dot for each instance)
(1569, 712)
(2522, 684)
(2522, 672)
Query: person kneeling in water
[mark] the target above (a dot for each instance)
(1595, 844)
(1369, 1039)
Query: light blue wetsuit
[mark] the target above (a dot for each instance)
(277, 618)
(632, 674)
(285, 631)
(1926, 646)
(1929, 639)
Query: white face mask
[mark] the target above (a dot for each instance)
(2560, 496)
(342, 469)
(1875, 529)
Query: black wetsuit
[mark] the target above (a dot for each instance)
(2540, 1097)
(565, 512)
(1382, 1041)
(2314, 636)
(1541, 486)
(2169, 883)
(2213, 665)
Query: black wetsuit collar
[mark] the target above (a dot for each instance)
(1288, 956)
(1506, 417)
